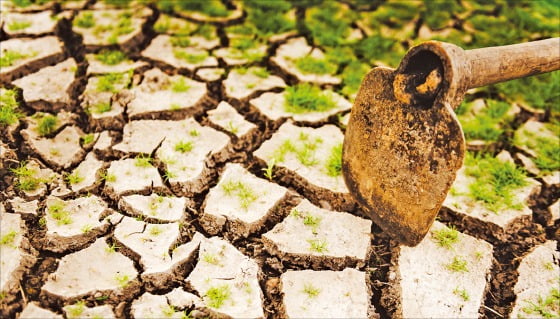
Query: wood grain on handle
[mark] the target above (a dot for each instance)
(498, 64)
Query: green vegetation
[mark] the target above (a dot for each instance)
(27, 3)
(110, 57)
(312, 222)
(267, 17)
(544, 144)
(74, 178)
(143, 161)
(318, 245)
(47, 124)
(111, 249)
(27, 181)
(232, 128)
(76, 310)
(108, 177)
(328, 25)
(311, 290)
(181, 41)
(217, 296)
(10, 57)
(168, 310)
(245, 194)
(180, 85)
(59, 214)
(87, 139)
(211, 259)
(303, 148)
(334, 161)
(462, 293)
(113, 82)
(177, 27)
(457, 265)
(311, 65)
(9, 238)
(268, 170)
(85, 19)
(495, 181)
(184, 147)
(540, 92)
(261, 72)
(446, 237)
(155, 230)
(212, 8)
(304, 98)
(101, 108)
(545, 307)
(191, 57)
(122, 280)
(9, 113)
(194, 133)
(352, 76)
(19, 25)
(487, 123)
(118, 3)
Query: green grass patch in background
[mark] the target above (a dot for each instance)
(303, 98)
(495, 182)
(9, 113)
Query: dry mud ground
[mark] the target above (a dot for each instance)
(173, 181)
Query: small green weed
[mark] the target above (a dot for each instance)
(9, 113)
(155, 230)
(76, 310)
(108, 177)
(19, 25)
(47, 124)
(143, 161)
(74, 178)
(58, 213)
(194, 133)
(108, 82)
(192, 58)
(457, 265)
(110, 57)
(122, 280)
(462, 293)
(218, 295)
(211, 259)
(304, 98)
(311, 291)
(261, 73)
(9, 238)
(318, 245)
(102, 107)
(181, 41)
(545, 307)
(311, 65)
(10, 57)
(244, 193)
(446, 237)
(85, 20)
(268, 170)
(334, 161)
(168, 311)
(87, 139)
(312, 221)
(180, 85)
(184, 147)
(495, 182)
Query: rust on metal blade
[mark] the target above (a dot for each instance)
(399, 160)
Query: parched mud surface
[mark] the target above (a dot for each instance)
(172, 180)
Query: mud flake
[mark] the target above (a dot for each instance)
(273, 105)
(288, 54)
(227, 117)
(79, 310)
(73, 217)
(242, 199)
(190, 57)
(325, 294)
(241, 83)
(84, 177)
(69, 280)
(48, 88)
(63, 150)
(32, 311)
(29, 23)
(313, 232)
(27, 51)
(306, 151)
(164, 208)
(227, 280)
(124, 176)
(538, 283)
(160, 92)
(439, 281)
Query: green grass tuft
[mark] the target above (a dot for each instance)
(9, 238)
(9, 113)
(495, 181)
(143, 161)
(545, 307)
(304, 98)
(311, 65)
(101, 108)
(74, 178)
(19, 25)
(192, 58)
(184, 147)
(457, 265)
(446, 237)
(334, 161)
(318, 245)
(244, 193)
(10, 57)
(59, 214)
(311, 290)
(217, 296)
(180, 85)
(47, 124)
(84, 20)
(109, 57)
